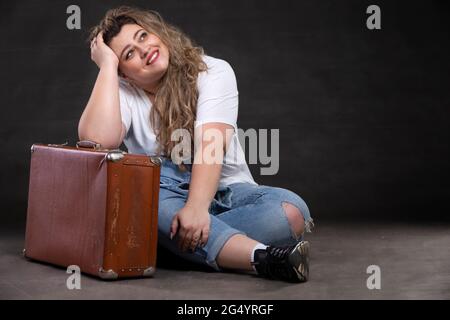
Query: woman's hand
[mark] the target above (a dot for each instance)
(101, 54)
(192, 225)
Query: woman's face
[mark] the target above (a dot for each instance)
(143, 58)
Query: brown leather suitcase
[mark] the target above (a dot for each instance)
(93, 208)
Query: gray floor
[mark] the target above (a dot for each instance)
(414, 261)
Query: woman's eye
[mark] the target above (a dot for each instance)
(143, 35)
(128, 55)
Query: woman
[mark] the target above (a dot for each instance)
(152, 82)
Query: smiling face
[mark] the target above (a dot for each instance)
(143, 57)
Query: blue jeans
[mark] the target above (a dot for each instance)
(239, 208)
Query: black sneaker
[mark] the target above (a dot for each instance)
(284, 263)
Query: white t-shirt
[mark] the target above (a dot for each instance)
(217, 102)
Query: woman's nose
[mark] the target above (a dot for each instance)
(142, 51)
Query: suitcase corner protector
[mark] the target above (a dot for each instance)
(24, 255)
(156, 160)
(107, 274)
(149, 272)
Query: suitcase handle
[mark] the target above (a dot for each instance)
(88, 144)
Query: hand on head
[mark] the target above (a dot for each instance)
(101, 54)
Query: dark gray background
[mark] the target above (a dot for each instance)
(363, 115)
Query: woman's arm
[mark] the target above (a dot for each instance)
(101, 120)
(193, 219)
(205, 175)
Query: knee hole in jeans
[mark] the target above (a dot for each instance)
(295, 218)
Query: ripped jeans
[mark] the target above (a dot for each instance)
(239, 208)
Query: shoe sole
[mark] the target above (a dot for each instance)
(299, 259)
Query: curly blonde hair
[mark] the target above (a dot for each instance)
(175, 104)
